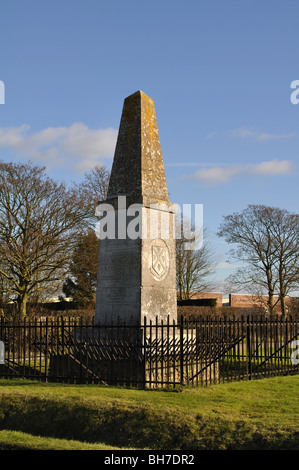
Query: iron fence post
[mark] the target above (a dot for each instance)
(144, 352)
(182, 352)
(248, 349)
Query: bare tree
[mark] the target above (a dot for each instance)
(285, 233)
(194, 268)
(266, 240)
(81, 282)
(38, 221)
(91, 190)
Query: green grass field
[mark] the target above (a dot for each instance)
(15, 440)
(260, 414)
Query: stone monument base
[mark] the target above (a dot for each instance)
(131, 373)
(138, 357)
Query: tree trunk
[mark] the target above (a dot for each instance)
(282, 293)
(270, 302)
(283, 305)
(22, 305)
(270, 290)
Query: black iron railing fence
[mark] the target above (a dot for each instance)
(151, 354)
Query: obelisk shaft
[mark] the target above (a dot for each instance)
(136, 274)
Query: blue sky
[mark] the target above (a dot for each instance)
(218, 72)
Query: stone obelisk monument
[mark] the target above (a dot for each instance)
(136, 271)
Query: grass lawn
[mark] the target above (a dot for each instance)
(15, 440)
(260, 414)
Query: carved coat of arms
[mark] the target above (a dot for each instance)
(159, 259)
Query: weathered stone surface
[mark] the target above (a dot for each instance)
(138, 169)
(137, 276)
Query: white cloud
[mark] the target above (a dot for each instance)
(77, 145)
(264, 137)
(247, 132)
(182, 163)
(242, 132)
(210, 135)
(218, 175)
(273, 167)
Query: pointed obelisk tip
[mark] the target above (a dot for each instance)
(140, 94)
(138, 169)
